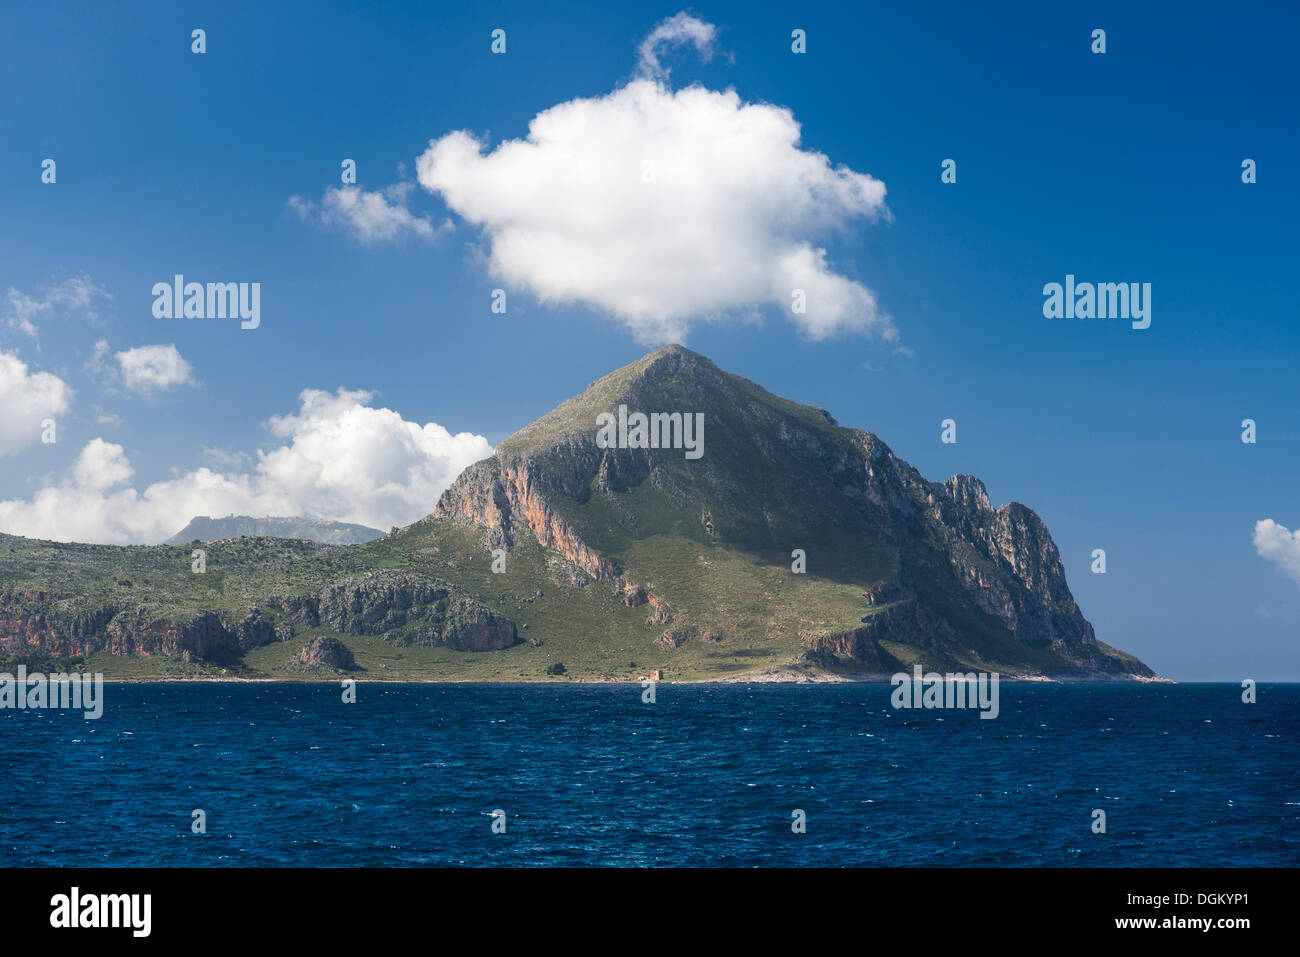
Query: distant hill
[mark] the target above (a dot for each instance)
(206, 529)
(781, 546)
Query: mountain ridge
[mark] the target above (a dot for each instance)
(206, 528)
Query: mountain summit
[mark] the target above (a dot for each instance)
(895, 569)
(202, 528)
(672, 517)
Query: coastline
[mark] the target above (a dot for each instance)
(779, 679)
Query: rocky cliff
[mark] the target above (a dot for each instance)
(401, 607)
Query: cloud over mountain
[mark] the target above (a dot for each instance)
(665, 207)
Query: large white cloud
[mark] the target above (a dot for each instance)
(26, 399)
(664, 207)
(341, 459)
(1280, 546)
(149, 368)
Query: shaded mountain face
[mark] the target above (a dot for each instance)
(765, 541)
(941, 574)
(204, 529)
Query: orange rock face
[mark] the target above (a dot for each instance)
(507, 499)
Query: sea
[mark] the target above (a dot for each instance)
(705, 775)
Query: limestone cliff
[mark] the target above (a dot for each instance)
(403, 608)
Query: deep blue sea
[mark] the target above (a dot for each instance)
(707, 775)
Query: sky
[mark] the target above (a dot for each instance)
(646, 174)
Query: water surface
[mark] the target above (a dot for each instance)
(707, 775)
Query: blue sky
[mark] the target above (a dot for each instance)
(1124, 166)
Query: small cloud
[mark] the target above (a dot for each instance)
(23, 309)
(76, 295)
(101, 465)
(1279, 545)
(150, 368)
(681, 28)
(96, 361)
(222, 458)
(373, 217)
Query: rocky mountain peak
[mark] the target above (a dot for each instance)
(776, 475)
(968, 492)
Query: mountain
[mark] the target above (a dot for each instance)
(561, 550)
(204, 529)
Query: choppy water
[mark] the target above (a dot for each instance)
(707, 775)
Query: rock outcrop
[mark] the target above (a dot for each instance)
(327, 652)
(404, 608)
(33, 623)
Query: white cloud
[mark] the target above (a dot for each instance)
(148, 368)
(27, 398)
(373, 217)
(1280, 546)
(78, 294)
(340, 459)
(665, 207)
(678, 29)
(101, 465)
(24, 309)
(96, 361)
